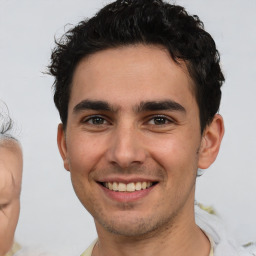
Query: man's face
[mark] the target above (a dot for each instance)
(132, 139)
(10, 184)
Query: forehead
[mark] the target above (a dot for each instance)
(10, 148)
(141, 72)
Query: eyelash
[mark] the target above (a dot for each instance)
(90, 120)
(167, 120)
(94, 118)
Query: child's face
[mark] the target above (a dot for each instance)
(10, 185)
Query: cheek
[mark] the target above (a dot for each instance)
(175, 152)
(84, 152)
(8, 224)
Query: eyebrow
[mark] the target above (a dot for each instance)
(143, 106)
(160, 105)
(92, 105)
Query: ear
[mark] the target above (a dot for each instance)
(211, 141)
(61, 140)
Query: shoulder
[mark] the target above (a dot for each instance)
(251, 248)
(88, 251)
(224, 242)
(32, 252)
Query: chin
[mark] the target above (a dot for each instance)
(133, 227)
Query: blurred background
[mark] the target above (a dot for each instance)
(51, 215)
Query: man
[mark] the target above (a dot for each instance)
(10, 186)
(138, 90)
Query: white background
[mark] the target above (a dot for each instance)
(51, 215)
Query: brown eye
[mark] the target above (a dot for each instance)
(95, 120)
(159, 120)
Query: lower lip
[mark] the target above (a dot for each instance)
(127, 196)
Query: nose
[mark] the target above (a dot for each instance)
(126, 147)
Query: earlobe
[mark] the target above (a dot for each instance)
(211, 141)
(61, 140)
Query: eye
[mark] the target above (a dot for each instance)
(160, 120)
(95, 120)
(3, 206)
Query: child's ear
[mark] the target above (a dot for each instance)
(211, 141)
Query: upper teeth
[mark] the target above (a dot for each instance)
(130, 187)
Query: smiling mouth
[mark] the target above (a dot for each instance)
(130, 187)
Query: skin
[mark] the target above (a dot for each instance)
(10, 186)
(136, 137)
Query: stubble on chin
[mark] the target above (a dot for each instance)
(138, 228)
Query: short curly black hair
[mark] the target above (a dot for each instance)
(127, 22)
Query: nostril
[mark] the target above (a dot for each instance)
(126, 157)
